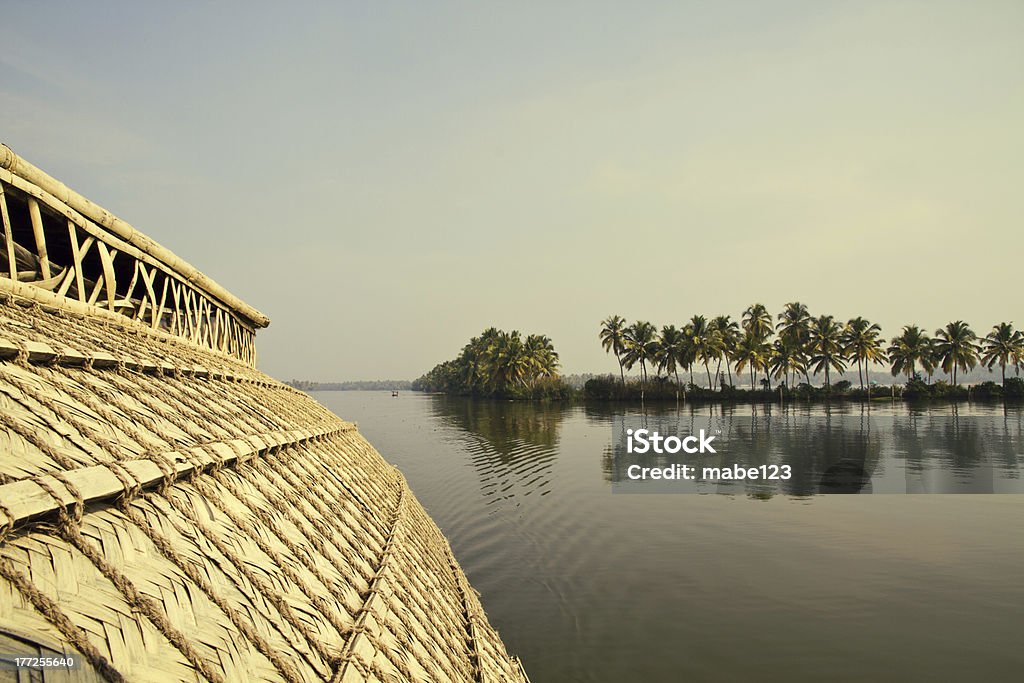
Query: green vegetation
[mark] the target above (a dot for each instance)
(773, 358)
(796, 346)
(500, 364)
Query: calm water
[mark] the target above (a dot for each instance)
(590, 585)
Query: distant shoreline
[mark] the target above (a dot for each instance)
(815, 395)
(361, 385)
(609, 389)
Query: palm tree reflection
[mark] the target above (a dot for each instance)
(843, 449)
(512, 444)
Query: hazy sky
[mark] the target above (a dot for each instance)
(385, 180)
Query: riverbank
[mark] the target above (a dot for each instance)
(610, 389)
(659, 390)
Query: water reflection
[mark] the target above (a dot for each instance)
(512, 444)
(848, 449)
(963, 453)
(587, 585)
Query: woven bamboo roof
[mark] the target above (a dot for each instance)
(169, 513)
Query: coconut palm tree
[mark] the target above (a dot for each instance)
(494, 363)
(613, 339)
(794, 326)
(1002, 345)
(471, 371)
(911, 348)
(508, 364)
(669, 351)
(825, 343)
(786, 356)
(541, 356)
(751, 352)
(688, 350)
(757, 321)
(794, 322)
(729, 335)
(641, 345)
(470, 364)
(707, 345)
(956, 348)
(861, 343)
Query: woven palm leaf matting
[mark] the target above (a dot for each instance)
(170, 514)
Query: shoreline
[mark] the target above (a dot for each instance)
(764, 399)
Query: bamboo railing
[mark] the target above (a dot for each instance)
(60, 248)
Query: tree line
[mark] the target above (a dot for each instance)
(499, 364)
(795, 345)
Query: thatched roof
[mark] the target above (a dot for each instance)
(169, 513)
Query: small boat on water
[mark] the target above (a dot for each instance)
(170, 513)
(394, 393)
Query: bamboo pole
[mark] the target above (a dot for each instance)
(12, 260)
(194, 333)
(135, 279)
(200, 319)
(52, 282)
(147, 279)
(163, 302)
(207, 336)
(19, 167)
(235, 344)
(176, 313)
(76, 256)
(190, 322)
(222, 338)
(107, 259)
(141, 310)
(96, 290)
(214, 327)
(69, 279)
(40, 236)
